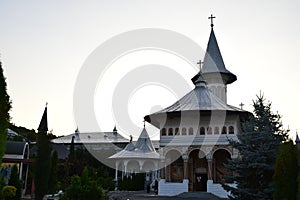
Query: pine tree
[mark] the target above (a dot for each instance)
(258, 145)
(286, 172)
(42, 164)
(5, 106)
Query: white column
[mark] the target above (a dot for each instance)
(125, 166)
(21, 171)
(116, 172)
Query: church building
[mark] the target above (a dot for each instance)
(194, 131)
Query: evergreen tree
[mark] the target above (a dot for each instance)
(15, 181)
(72, 155)
(298, 177)
(53, 178)
(258, 145)
(5, 106)
(286, 172)
(42, 164)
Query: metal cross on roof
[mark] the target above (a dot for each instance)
(211, 20)
(200, 64)
(241, 104)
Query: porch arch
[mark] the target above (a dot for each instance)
(174, 166)
(220, 158)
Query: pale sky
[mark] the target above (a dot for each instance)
(43, 45)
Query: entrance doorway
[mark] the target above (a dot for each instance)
(200, 182)
(197, 171)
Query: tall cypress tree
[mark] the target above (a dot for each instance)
(258, 145)
(43, 163)
(286, 172)
(5, 106)
(53, 179)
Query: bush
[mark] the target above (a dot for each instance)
(9, 192)
(83, 188)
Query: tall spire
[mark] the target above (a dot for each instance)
(213, 61)
(213, 69)
(43, 127)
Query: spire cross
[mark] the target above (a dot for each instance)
(211, 20)
(46, 104)
(241, 104)
(200, 64)
(144, 123)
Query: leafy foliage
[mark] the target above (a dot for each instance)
(5, 106)
(53, 179)
(83, 188)
(9, 192)
(258, 145)
(286, 172)
(15, 181)
(27, 134)
(75, 165)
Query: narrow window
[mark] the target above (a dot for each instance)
(231, 130)
(183, 131)
(224, 130)
(216, 131)
(170, 132)
(163, 132)
(191, 131)
(202, 131)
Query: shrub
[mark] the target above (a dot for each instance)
(83, 188)
(9, 192)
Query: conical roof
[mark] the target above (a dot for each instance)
(213, 62)
(144, 143)
(143, 149)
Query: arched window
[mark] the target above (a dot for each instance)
(216, 131)
(209, 130)
(183, 131)
(202, 131)
(231, 130)
(170, 132)
(224, 130)
(191, 131)
(163, 132)
(177, 131)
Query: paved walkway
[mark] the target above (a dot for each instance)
(117, 195)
